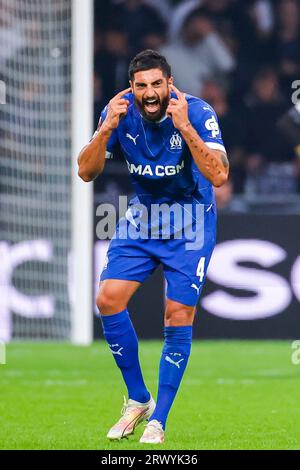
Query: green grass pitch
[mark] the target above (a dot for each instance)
(234, 395)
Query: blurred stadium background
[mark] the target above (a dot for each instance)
(60, 63)
(244, 59)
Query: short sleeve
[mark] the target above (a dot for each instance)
(205, 121)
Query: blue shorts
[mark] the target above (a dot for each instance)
(184, 263)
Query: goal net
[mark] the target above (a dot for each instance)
(36, 169)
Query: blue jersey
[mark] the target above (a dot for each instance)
(159, 161)
(164, 173)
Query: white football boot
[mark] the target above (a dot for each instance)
(133, 413)
(153, 434)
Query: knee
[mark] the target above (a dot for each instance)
(107, 301)
(179, 315)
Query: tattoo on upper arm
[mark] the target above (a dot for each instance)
(224, 160)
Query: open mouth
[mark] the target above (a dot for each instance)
(151, 105)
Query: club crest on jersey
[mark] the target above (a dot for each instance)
(176, 142)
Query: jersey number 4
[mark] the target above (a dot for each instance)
(201, 268)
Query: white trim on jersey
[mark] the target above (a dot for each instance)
(108, 155)
(215, 146)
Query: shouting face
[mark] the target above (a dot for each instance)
(151, 92)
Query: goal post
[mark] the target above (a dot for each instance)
(82, 193)
(46, 221)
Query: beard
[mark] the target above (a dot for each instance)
(154, 109)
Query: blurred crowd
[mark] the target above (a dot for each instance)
(241, 56)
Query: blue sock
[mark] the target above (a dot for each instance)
(122, 340)
(175, 354)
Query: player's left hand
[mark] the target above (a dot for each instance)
(178, 109)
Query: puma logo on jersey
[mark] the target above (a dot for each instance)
(197, 288)
(118, 352)
(132, 138)
(168, 359)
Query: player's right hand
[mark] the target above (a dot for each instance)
(117, 108)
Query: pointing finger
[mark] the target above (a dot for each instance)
(178, 93)
(122, 101)
(121, 93)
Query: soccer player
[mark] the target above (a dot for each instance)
(174, 151)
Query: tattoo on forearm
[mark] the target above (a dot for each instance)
(213, 165)
(187, 125)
